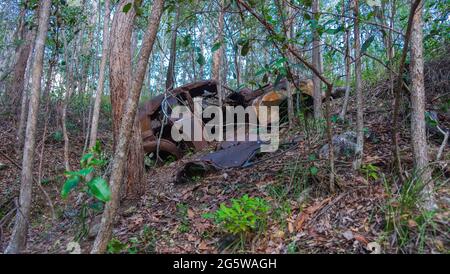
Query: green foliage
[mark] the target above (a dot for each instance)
(94, 186)
(57, 136)
(245, 215)
(405, 218)
(182, 214)
(371, 171)
(144, 242)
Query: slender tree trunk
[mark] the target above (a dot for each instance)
(24, 101)
(19, 236)
(418, 129)
(20, 57)
(127, 121)
(68, 93)
(218, 54)
(289, 20)
(398, 89)
(316, 62)
(101, 78)
(359, 96)
(170, 79)
(202, 47)
(347, 75)
(121, 72)
(20, 66)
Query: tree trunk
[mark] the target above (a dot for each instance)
(101, 78)
(170, 79)
(128, 118)
(218, 54)
(20, 66)
(347, 75)
(289, 22)
(121, 71)
(24, 102)
(359, 96)
(69, 88)
(202, 47)
(418, 129)
(316, 62)
(19, 236)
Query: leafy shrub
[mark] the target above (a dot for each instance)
(93, 186)
(246, 214)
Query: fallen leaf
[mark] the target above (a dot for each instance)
(412, 223)
(361, 239)
(190, 213)
(290, 227)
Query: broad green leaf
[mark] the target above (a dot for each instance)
(216, 46)
(201, 59)
(245, 48)
(82, 172)
(100, 189)
(367, 43)
(126, 8)
(69, 184)
(86, 158)
(314, 170)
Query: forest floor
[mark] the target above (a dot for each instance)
(304, 218)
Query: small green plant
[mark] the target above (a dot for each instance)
(245, 215)
(93, 185)
(144, 242)
(170, 159)
(405, 218)
(115, 246)
(182, 212)
(57, 136)
(371, 171)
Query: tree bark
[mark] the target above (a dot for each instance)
(170, 79)
(218, 54)
(101, 78)
(398, 89)
(24, 101)
(418, 129)
(19, 236)
(358, 89)
(120, 84)
(316, 62)
(127, 120)
(18, 79)
(288, 25)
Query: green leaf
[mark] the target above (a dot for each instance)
(216, 46)
(82, 172)
(314, 170)
(86, 159)
(126, 8)
(201, 59)
(367, 43)
(100, 189)
(69, 184)
(245, 48)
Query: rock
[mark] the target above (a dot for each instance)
(94, 227)
(225, 176)
(348, 235)
(344, 145)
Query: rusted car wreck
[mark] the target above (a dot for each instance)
(156, 123)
